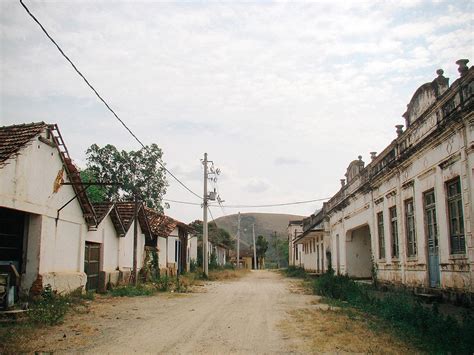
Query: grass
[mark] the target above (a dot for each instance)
(294, 271)
(422, 326)
(48, 309)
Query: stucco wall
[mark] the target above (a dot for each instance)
(444, 156)
(126, 249)
(54, 247)
(107, 236)
(162, 253)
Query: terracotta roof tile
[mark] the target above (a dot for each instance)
(14, 138)
(102, 209)
(126, 210)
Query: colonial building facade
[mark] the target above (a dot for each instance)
(407, 216)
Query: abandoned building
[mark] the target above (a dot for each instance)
(51, 234)
(407, 215)
(294, 229)
(176, 242)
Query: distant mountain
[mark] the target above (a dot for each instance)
(266, 224)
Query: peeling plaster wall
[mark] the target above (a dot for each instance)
(447, 153)
(293, 248)
(192, 244)
(162, 252)
(126, 249)
(106, 235)
(54, 248)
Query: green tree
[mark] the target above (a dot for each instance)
(262, 245)
(139, 172)
(216, 235)
(95, 193)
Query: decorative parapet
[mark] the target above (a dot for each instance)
(431, 107)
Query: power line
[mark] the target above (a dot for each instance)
(100, 97)
(250, 206)
(182, 202)
(277, 204)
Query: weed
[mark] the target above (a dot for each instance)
(132, 291)
(50, 308)
(295, 271)
(423, 326)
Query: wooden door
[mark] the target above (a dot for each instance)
(92, 265)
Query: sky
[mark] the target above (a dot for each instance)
(281, 95)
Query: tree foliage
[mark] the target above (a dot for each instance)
(139, 172)
(262, 245)
(216, 235)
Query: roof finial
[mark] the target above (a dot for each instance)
(463, 69)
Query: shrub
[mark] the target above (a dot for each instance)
(432, 330)
(193, 265)
(132, 291)
(50, 308)
(294, 271)
(163, 283)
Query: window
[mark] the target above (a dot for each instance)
(381, 235)
(410, 227)
(430, 221)
(394, 231)
(456, 217)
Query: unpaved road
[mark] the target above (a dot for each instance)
(262, 313)
(231, 317)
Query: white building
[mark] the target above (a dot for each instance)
(408, 214)
(43, 226)
(177, 246)
(295, 228)
(49, 231)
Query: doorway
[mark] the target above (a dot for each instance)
(92, 265)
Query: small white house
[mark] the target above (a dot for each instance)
(102, 247)
(49, 231)
(44, 217)
(177, 247)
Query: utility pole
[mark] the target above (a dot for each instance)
(238, 241)
(205, 263)
(135, 241)
(254, 248)
(276, 249)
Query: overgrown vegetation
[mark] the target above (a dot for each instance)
(294, 271)
(424, 326)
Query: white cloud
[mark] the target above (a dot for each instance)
(258, 86)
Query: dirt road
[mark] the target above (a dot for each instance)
(236, 316)
(261, 313)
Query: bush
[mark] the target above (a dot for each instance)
(163, 283)
(132, 291)
(50, 308)
(193, 265)
(294, 271)
(423, 325)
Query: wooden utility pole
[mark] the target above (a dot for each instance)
(254, 248)
(238, 241)
(277, 252)
(135, 241)
(205, 262)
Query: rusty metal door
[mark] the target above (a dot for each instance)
(432, 238)
(92, 265)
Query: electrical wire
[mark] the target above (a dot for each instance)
(251, 206)
(277, 204)
(100, 97)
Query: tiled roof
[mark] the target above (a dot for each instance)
(126, 210)
(160, 225)
(13, 138)
(102, 209)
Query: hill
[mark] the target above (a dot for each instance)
(266, 224)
